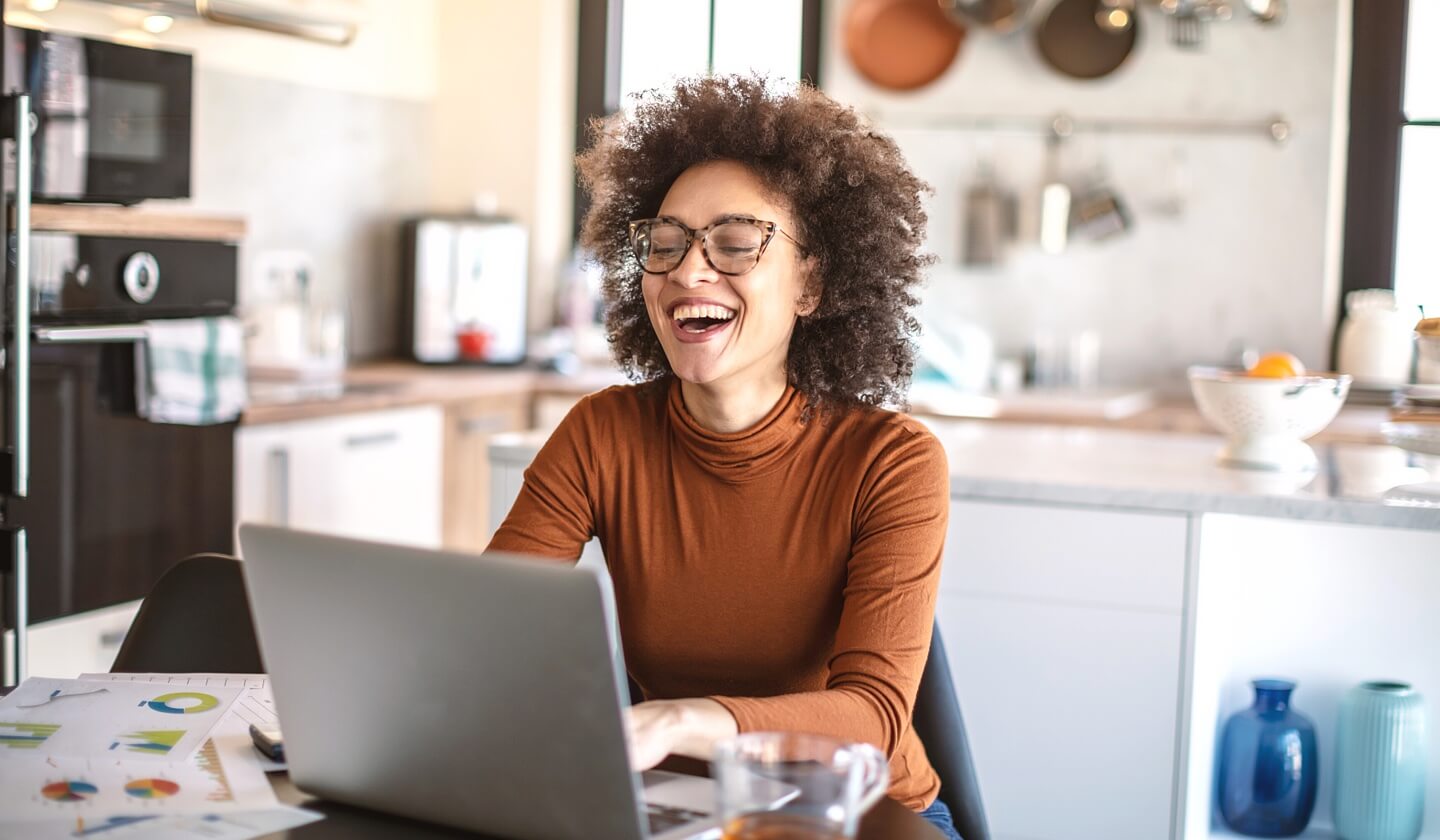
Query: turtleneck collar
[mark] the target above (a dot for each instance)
(738, 456)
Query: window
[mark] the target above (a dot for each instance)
(1392, 207)
(1417, 248)
(628, 46)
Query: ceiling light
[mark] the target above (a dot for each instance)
(42, 5)
(155, 24)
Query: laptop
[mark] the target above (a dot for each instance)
(481, 692)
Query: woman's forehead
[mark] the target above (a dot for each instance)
(712, 190)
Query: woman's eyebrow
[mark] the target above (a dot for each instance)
(727, 217)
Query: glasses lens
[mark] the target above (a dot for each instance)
(659, 246)
(734, 247)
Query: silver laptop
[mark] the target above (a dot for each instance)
(478, 692)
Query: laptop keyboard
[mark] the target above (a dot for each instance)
(663, 817)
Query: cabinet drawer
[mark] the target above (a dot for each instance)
(1067, 555)
(77, 644)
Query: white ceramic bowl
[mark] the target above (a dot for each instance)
(1265, 420)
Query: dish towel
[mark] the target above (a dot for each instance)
(191, 371)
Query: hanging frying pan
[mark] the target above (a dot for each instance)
(1075, 40)
(901, 44)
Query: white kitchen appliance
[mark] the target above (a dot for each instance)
(465, 290)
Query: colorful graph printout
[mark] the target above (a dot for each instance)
(151, 788)
(149, 741)
(116, 719)
(69, 791)
(25, 736)
(176, 703)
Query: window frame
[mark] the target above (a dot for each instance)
(1379, 38)
(597, 94)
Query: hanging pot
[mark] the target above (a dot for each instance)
(901, 44)
(1088, 39)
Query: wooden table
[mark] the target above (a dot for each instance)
(888, 820)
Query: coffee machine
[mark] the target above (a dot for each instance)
(465, 287)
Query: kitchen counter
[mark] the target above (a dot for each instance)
(396, 384)
(392, 384)
(1155, 471)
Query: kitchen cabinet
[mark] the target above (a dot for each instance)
(373, 475)
(85, 643)
(469, 426)
(1063, 627)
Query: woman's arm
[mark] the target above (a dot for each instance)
(883, 637)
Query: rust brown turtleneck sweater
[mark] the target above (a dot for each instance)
(788, 571)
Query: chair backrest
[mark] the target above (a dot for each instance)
(196, 619)
(941, 729)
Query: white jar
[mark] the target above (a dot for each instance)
(1377, 342)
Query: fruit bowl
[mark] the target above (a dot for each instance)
(1267, 420)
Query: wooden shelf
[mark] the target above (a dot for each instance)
(97, 220)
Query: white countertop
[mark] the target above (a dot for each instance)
(1161, 471)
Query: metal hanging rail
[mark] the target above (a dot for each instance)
(1275, 128)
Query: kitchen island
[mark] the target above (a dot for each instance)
(1108, 594)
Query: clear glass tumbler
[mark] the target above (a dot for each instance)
(791, 786)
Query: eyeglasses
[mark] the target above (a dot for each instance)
(731, 246)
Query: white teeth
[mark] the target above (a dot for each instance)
(718, 313)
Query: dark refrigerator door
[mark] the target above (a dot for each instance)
(114, 500)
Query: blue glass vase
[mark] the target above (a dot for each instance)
(1268, 765)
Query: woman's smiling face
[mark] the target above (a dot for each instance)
(755, 311)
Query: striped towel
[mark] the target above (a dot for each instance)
(191, 371)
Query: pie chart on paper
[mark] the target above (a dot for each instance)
(151, 788)
(69, 791)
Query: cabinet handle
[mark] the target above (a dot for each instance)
(377, 439)
(278, 475)
(484, 425)
(113, 638)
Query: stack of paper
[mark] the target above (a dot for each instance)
(164, 756)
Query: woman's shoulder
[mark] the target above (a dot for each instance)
(881, 429)
(619, 408)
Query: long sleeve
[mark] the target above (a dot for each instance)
(554, 515)
(888, 608)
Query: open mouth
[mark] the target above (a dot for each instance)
(700, 319)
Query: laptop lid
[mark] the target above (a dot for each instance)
(479, 692)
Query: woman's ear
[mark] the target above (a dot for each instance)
(809, 299)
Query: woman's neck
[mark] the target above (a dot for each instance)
(729, 407)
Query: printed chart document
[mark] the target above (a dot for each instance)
(89, 718)
(220, 791)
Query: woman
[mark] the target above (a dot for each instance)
(773, 534)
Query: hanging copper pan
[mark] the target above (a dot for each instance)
(901, 44)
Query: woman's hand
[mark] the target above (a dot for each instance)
(685, 727)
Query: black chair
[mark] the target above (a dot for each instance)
(196, 619)
(941, 729)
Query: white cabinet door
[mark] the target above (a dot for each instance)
(1063, 628)
(374, 475)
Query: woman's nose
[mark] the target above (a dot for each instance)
(694, 269)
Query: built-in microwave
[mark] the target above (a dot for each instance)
(110, 123)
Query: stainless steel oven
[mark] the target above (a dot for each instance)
(110, 123)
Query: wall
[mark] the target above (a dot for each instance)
(1249, 258)
(504, 122)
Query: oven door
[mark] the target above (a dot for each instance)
(112, 122)
(114, 500)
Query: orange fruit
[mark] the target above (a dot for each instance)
(1277, 366)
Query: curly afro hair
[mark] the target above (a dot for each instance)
(852, 197)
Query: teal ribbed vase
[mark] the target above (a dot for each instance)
(1380, 763)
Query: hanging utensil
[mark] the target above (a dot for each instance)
(1055, 194)
(1266, 11)
(1189, 19)
(1002, 16)
(901, 44)
(1072, 41)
